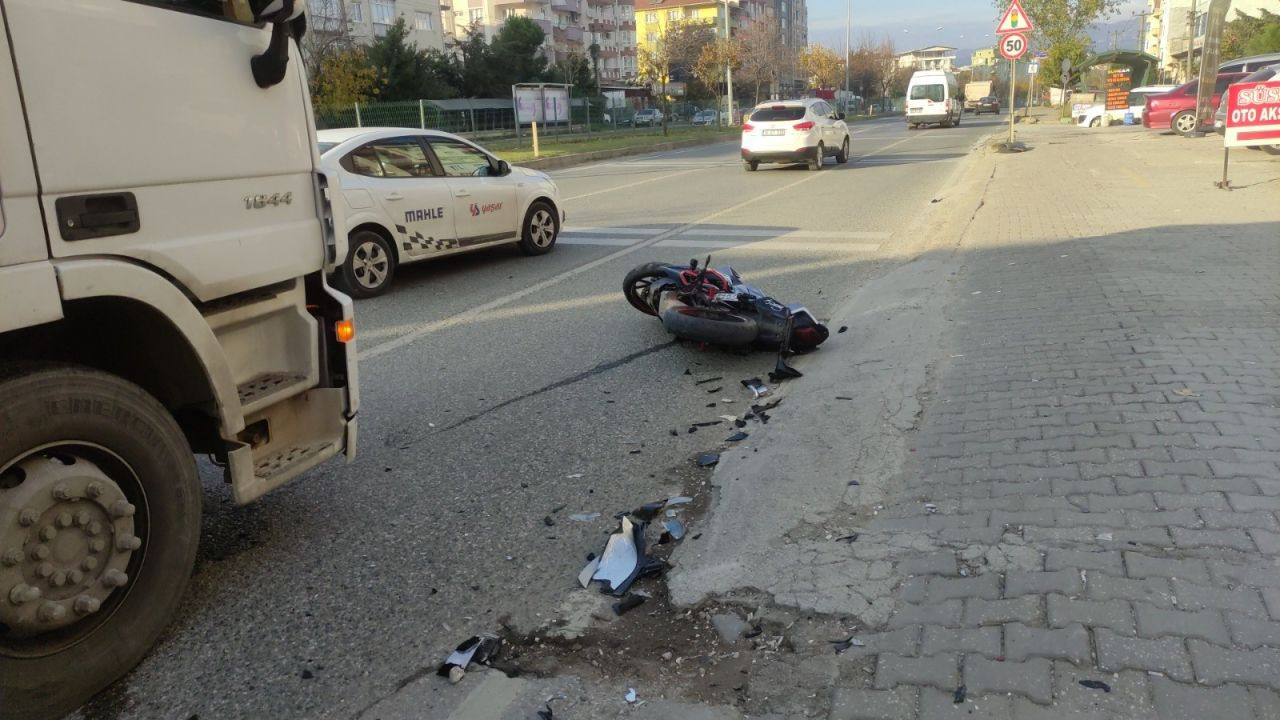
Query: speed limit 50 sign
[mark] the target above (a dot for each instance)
(1013, 45)
(1253, 114)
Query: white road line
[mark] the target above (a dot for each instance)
(785, 233)
(772, 245)
(612, 231)
(423, 329)
(619, 242)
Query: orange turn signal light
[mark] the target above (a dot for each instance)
(345, 330)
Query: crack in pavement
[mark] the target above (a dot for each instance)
(579, 377)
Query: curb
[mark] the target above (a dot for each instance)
(564, 161)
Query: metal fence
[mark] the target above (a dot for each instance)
(488, 118)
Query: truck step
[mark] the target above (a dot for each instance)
(271, 465)
(272, 387)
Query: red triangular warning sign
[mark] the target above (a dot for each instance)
(1015, 20)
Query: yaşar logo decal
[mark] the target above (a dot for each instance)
(478, 209)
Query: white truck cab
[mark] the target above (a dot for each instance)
(165, 233)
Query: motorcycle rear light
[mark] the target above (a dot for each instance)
(748, 127)
(807, 125)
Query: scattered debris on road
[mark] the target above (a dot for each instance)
(737, 437)
(758, 389)
(480, 649)
(546, 714)
(584, 517)
(709, 380)
(959, 695)
(1096, 685)
(630, 602)
(708, 459)
(630, 696)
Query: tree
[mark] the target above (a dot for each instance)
(1266, 41)
(712, 61)
(515, 55)
(822, 65)
(402, 67)
(765, 59)
(671, 57)
(476, 69)
(343, 78)
(865, 68)
(1238, 34)
(893, 79)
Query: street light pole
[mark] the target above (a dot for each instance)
(728, 67)
(848, 21)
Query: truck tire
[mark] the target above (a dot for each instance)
(715, 327)
(96, 468)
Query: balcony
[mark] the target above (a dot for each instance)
(629, 25)
(572, 5)
(544, 24)
(571, 34)
(602, 26)
(519, 2)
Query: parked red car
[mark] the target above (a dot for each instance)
(1176, 109)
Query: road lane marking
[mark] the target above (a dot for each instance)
(613, 231)
(786, 232)
(589, 240)
(772, 245)
(420, 330)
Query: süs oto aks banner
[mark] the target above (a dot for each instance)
(1253, 114)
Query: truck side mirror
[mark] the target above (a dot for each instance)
(287, 22)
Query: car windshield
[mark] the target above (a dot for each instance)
(777, 113)
(1262, 75)
(928, 92)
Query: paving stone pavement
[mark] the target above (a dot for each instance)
(1097, 464)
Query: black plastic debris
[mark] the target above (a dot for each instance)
(757, 388)
(548, 521)
(854, 482)
(708, 423)
(843, 328)
(1096, 685)
(479, 649)
(634, 452)
(737, 437)
(715, 390)
(630, 602)
(843, 397)
(546, 714)
(782, 371)
(851, 538)
(740, 423)
(849, 642)
(709, 380)
(711, 405)
(687, 371)
(307, 674)
(959, 696)
(648, 511)
(753, 632)
(708, 459)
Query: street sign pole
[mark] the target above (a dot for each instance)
(1013, 75)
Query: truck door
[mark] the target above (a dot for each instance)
(195, 168)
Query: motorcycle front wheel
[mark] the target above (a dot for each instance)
(636, 285)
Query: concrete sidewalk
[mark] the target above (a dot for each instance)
(1062, 462)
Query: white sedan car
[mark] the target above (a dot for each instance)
(419, 194)
(794, 131)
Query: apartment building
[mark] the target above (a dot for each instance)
(365, 20)
(934, 57)
(1181, 24)
(571, 28)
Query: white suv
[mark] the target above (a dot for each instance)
(794, 131)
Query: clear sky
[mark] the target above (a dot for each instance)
(964, 24)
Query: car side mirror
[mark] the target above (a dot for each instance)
(839, 116)
(504, 168)
(287, 22)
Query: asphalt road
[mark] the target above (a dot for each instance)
(495, 389)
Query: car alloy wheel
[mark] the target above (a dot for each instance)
(541, 226)
(1185, 122)
(370, 264)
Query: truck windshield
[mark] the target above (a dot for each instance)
(928, 92)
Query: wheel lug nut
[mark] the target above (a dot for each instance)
(94, 490)
(97, 545)
(114, 578)
(40, 552)
(51, 612)
(86, 605)
(11, 557)
(75, 577)
(128, 542)
(122, 509)
(64, 520)
(62, 492)
(28, 517)
(23, 593)
(48, 532)
(93, 528)
(44, 570)
(82, 518)
(89, 563)
(59, 579)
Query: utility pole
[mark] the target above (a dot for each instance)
(848, 21)
(1191, 38)
(728, 68)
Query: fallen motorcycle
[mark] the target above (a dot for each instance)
(714, 306)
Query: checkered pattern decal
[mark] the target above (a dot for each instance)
(415, 242)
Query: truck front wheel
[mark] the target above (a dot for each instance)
(99, 523)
